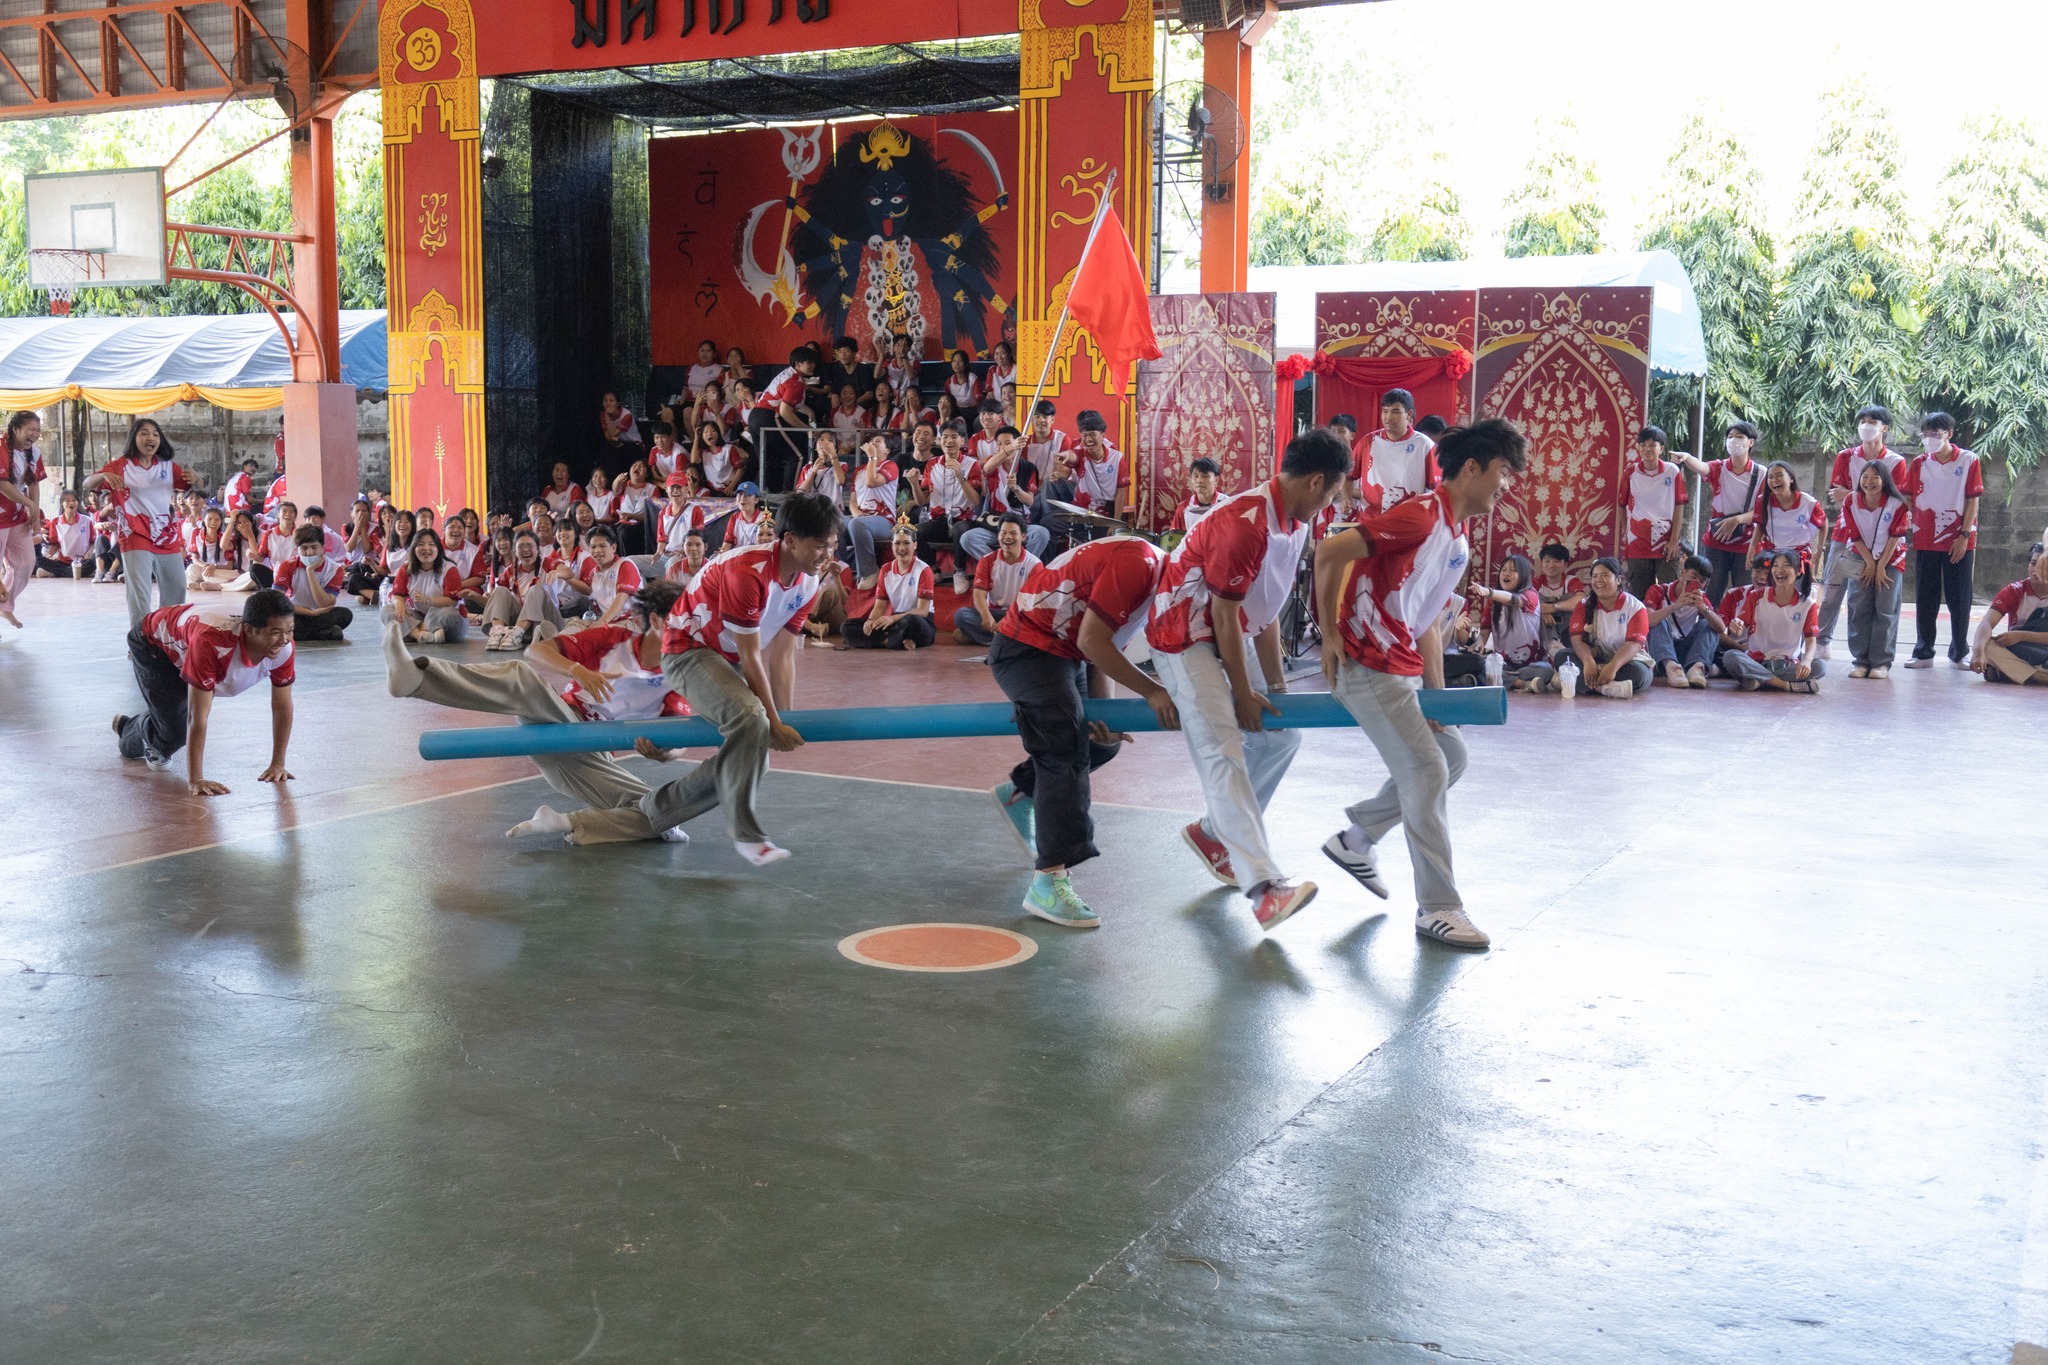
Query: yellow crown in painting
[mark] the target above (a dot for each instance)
(885, 142)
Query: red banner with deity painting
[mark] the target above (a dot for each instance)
(1571, 368)
(1211, 393)
(731, 262)
(1434, 325)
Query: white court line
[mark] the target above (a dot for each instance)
(291, 829)
(973, 791)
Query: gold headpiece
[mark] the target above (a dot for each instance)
(885, 142)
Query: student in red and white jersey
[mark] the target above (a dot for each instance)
(1396, 461)
(683, 513)
(685, 568)
(1609, 635)
(106, 539)
(779, 454)
(1082, 608)
(1005, 482)
(1043, 441)
(1000, 384)
(1786, 518)
(666, 457)
(146, 480)
(242, 548)
(313, 580)
(1880, 522)
(1558, 588)
(517, 606)
(207, 567)
(1781, 633)
(707, 370)
(633, 510)
(426, 599)
(280, 542)
(751, 523)
(962, 384)
(1684, 630)
(899, 367)
(185, 656)
(68, 538)
(619, 429)
(947, 494)
(1655, 491)
(915, 409)
(1730, 609)
(614, 579)
(1944, 483)
(885, 413)
(565, 570)
(467, 558)
(191, 528)
(598, 495)
(723, 463)
(612, 672)
(237, 491)
(824, 475)
(1873, 424)
(989, 419)
(1731, 486)
(848, 414)
(274, 494)
(730, 650)
(562, 492)
(2019, 653)
(1513, 612)
(901, 616)
(1380, 589)
(998, 578)
(1099, 470)
(362, 547)
(1203, 476)
(1215, 613)
(873, 516)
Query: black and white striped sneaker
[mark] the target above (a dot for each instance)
(1452, 927)
(1363, 867)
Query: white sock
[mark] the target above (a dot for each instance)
(1357, 840)
(677, 835)
(402, 672)
(546, 820)
(761, 854)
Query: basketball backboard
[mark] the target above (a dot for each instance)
(92, 229)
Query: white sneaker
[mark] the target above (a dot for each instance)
(1881, 672)
(1364, 867)
(1618, 690)
(154, 759)
(1826, 651)
(1859, 671)
(1452, 927)
(1696, 676)
(962, 584)
(1917, 662)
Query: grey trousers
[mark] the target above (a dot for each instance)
(1739, 666)
(718, 693)
(536, 610)
(140, 568)
(1840, 568)
(1873, 619)
(450, 621)
(1422, 766)
(513, 688)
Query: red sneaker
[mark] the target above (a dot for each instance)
(1279, 900)
(1210, 851)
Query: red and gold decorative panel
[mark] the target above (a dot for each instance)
(1571, 368)
(433, 251)
(1086, 74)
(730, 262)
(1210, 394)
(1379, 325)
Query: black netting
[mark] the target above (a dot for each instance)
(565, 282)
(925, 78)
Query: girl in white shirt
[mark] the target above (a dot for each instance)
(1610, 629)
(901, 617)
(1781, 633)
(1879, 523)
(961, 384)
(1002, 375)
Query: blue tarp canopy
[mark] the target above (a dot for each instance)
(238, 351)
(1677, 345)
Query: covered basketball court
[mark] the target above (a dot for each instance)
(337, 1072)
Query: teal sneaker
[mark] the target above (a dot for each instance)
(1053, 899)
(1021, 813)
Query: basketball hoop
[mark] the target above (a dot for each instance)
(61, 270)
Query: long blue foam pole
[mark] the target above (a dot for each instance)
(1300, 711)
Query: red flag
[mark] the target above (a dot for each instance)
(1108, 298)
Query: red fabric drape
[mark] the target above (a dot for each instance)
(1354, 384)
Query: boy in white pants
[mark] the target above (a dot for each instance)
(1223, 585)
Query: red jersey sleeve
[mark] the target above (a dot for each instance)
(1973, 487)
(1233, 550)
(1578, 622)
(1838, 476)
(1639, 626)
(740, 600)
(1402, 527)
(286, 673)
(629, 576)
(1123, 587)
(1908, 482)
(1180, 515)
(337, 572)
(588, 647)
(985, 572)
(400, 581)
(924, 580)
(1812, 627)
(2006, 601)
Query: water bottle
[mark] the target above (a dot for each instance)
(1568, 679)
(1494, 670)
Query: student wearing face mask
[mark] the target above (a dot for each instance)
(1655, 489)
(1844, 564)
(313, 579)
(1944, 482)
(1731, 486)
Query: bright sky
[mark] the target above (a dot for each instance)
(1629, 72)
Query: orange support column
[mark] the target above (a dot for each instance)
(433, 252)
(1086, 76)
(319, 410)
(1227, 220)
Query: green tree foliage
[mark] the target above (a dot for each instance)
(1984, 348)
(1710, 215)
(1556, 210)
(1430, 227)
(359, 226)
(1301, 221)
(1843, 332)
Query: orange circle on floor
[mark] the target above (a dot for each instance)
(937, 947)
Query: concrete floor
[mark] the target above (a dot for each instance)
(1754, 1072)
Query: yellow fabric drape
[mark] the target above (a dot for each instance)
(134, 402)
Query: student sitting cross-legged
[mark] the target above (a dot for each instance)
(1609, 629)
(997, 579)
(313, 579)
(1780, 633)
(1683, 626)
(901, 617)
(2019, 653)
